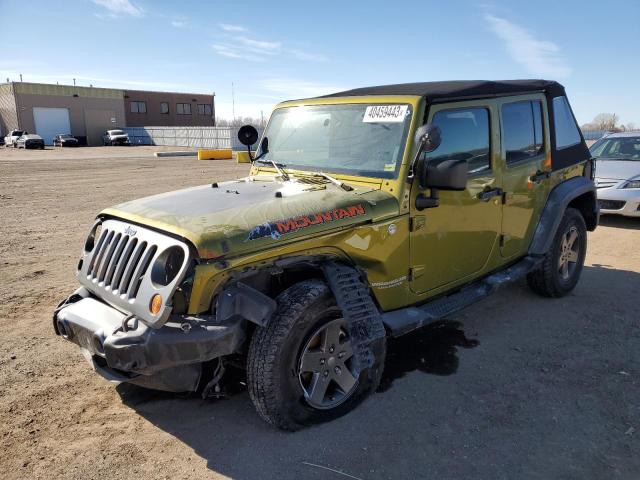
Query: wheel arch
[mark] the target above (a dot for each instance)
(576, 192)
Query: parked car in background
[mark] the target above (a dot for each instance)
(65, 140)
(116, 137)
(30, 140)
(618, 173)
(13, 136)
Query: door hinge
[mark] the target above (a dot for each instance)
(416, 223)
(416, 272)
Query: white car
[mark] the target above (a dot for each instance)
(116, 137)
(618, 173)
(12, 139)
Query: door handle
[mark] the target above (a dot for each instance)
(539, 176)
(487, 195)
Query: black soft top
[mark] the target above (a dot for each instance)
(459, 89)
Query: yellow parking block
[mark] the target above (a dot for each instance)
(243, 156)
(224, 154)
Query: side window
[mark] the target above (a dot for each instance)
(465, 136)
(522, 135)
(164, 107)
(565, 126)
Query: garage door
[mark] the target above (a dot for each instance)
(51, 122)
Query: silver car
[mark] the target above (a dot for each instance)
(618, 173)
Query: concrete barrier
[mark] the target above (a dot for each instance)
(176, 154)
(220, 154)
(243, 156)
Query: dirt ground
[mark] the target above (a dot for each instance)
(514, 387)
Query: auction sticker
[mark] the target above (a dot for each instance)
(385, 113)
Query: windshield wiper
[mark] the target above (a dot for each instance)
(278, 166)
(335, 181)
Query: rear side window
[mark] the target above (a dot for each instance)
(567, 133)
(465, 136)
(522, 134)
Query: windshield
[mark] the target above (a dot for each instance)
(620, 148)
(358, 139)
(17, 133)
(116, 132)
(65, 136)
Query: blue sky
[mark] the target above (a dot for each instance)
(273, 51)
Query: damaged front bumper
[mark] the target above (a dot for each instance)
(123, 349)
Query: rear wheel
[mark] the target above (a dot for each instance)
(560, 271)
(300, 369)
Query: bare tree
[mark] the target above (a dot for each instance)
(606, 121)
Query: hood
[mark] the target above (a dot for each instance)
(32, 137)
(244, 215)
(617, 169)
(118, 135)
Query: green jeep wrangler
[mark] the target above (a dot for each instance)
(366, 214)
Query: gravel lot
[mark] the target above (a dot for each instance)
(516, 386)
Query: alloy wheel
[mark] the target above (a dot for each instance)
(325, 367)
(569, 253)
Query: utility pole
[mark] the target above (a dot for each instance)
(233, 104)
(20, 77)
(74, 82)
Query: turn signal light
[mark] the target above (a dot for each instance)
(156, 304)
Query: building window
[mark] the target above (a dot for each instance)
(138, 107)
(183, 108)
(204, 109)
(522, 130)
(465, 136)
(164, 107)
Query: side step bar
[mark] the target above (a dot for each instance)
(407, 319)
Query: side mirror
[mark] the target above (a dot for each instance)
(436, 175)
(248, 135)
(447, 174)
(428, 137)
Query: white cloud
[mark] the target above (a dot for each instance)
(179, 23)
(308, 56)
(230, 51)
(268, 48)
(539, 57)
(231, 28)
(295, 88)
(119, 7)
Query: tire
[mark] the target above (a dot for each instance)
(274, 365)
(558, 275)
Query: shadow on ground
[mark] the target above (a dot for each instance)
(616, 221)
(520, 406)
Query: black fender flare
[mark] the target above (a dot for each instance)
(557, 202)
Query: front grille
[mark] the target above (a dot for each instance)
(119, 263)
(611, 204)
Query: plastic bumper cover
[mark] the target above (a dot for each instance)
(122, 349)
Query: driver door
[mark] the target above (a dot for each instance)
(453, 242)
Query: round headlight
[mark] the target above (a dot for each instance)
(167, 266)
(94, 235)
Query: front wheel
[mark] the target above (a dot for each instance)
(301, 368)
(560, 271)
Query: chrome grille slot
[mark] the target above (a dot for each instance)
(117, 278)
(115, 259)
(143, 265)
(108, 258)
(118, 269)
(133, 263)
(103, 244)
